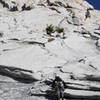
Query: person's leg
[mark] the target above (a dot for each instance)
(62, 95)
(58, 95)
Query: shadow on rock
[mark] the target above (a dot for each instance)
(17, 74)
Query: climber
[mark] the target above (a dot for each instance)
(58, 85)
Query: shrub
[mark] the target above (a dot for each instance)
(59, 30)
(14, 8)
(50, 29)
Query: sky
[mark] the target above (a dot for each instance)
(95, 3)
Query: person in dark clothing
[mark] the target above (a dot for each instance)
(58, 85)
(57, 79)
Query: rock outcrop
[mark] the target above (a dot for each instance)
(29, 55)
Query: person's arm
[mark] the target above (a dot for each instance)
(53, 84)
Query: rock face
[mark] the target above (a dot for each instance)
(28, 54)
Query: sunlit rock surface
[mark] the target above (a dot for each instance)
(29, 55)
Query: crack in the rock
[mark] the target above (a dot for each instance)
(34, 43)
(52, 8)
(92, 67)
